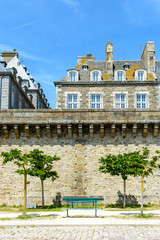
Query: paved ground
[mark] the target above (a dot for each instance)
(110, 225)
(83, 233)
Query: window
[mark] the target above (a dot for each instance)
(141, 100)
(95, 101)
(140, 76)
(72, 101)
(72, 76)
(95, 76)
(85, 67)
(20, 103)
(13, 98)
(119, 76)
(120, 101)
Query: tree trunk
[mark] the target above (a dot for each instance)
(142, 187)
(25, 193)
(42, 185)
(124, 200)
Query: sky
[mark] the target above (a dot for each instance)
(50, 34)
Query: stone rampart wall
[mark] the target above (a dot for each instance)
(79, 139)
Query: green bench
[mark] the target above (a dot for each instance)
(91, 200)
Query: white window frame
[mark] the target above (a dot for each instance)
(96, 102)
(119, 102)
(99, 75)
(95, 93)
(123, 76)
(120, 93)
(144, 74)
(69, 73)
(73, 101)
(147, 99)
(72, 93)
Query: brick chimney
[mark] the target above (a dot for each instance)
(8, 56)
(148, 56)
(109, 58)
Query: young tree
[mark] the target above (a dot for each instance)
(42, 166)
(143, 167)
(118, 165)
(22, 162)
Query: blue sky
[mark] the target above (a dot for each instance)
(50, 34)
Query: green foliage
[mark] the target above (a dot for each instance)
(142, 164)
(19, 159)
(122, 164)
(41, 165)
(133, 163)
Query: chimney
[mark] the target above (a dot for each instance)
(8, 56)
(109, 58)
(148, 56)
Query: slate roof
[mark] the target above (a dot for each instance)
(136, 64)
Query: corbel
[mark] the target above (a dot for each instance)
(38, 131)
(59, 130)
(16, 130)
(123, 130)
(156, 127)
(6, 132)
(102, 130)
(134, 130)
(91, 131)
(27, 131)
(48, 130)
(113, 129)
(145, 130)
(69, 130)
(80, 130)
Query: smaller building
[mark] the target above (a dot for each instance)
(18, 88)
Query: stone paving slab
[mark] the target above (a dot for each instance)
(81, 233)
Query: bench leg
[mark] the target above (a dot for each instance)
(67, 213)
(95, 212)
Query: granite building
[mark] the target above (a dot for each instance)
(18, 88)
(111, 84)
(102, 107)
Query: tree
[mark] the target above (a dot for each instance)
(41, 166)
(143, 167)
(22, 162)
(118, 165)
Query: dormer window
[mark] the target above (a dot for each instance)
(140, 75)
(72, 75)
(126, 66)
(95, 76)
(120, 75)
(85, 67)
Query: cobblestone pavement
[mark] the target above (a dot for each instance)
(81, 233)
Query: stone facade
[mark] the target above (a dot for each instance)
(111, 82)
(79, 138)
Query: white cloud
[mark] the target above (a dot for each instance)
(45, 78)
(142, 12)
(72, 3)
(23, 25)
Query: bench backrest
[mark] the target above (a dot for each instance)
(83, 199)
